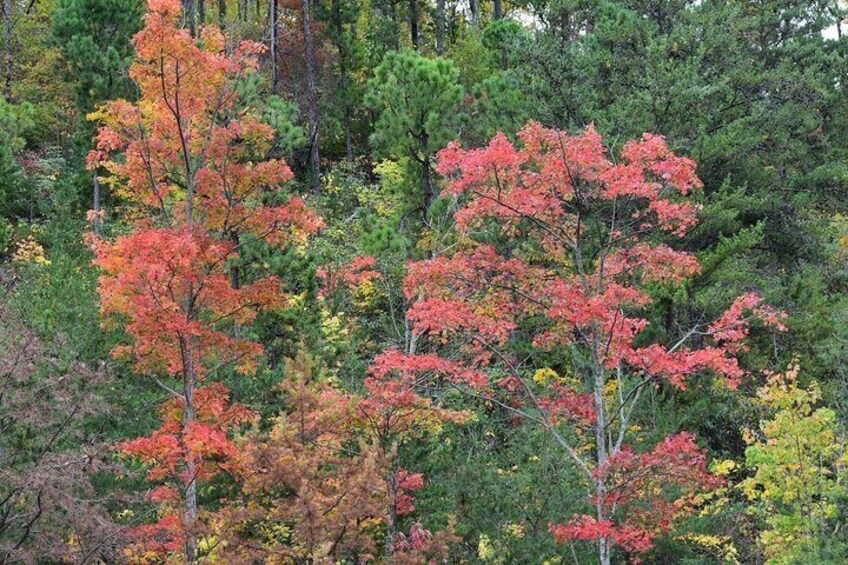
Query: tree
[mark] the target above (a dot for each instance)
(15, 121)
(95, 40)
(192, 162)
(325, 485)
(8, 46)
(394, 413)
(273, 24)
(441, 24)
(558, 251)
(341, 29)
(765, 120)
(417, 100)
(498, 106)
(48, 461)
(797, 457)
(314, 490)
(311, 98)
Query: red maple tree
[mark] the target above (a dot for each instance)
(557, 249)
(191, 161)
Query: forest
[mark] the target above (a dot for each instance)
(349, 282)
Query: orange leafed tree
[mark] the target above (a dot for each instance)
(324, 485)
(191, 160)
(559, 247)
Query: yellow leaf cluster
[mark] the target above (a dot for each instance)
(30, 251)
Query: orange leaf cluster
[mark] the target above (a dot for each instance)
(205, 440)
(193, 160)
(328, 474)
(652, 490)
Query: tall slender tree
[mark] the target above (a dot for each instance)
(273, 13)
(8, 47)
(311, 68)
(192, 161)
(414, 33)
(441, 24)
(342, 32)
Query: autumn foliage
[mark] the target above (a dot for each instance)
(550, 229)
(389, 282)
(191, 160)
(324, 485)
(553, 230)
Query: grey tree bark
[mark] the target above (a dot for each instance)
(440, 27)
(189, 415)
(97, 223)
(8, 59)
(311, 100)
(272, 19)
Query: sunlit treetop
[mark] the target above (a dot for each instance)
(191, 135)
(555, 227)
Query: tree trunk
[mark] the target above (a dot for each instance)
(348, 136)
(189, 384)
(347, 113)
(440, 27)
(497, 11)
(96, 204)
(413, 23)
(235, 283)
(201, 13)
(391, 529)
(7, 45)
(272, 12)
(427, 182)
(475, 12)
(341, 44)
(603, 457)
(393, 16)
(604, 551)
(222, 14)
(312, 101)
(189, 16)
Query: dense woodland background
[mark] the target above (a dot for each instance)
(253, 315)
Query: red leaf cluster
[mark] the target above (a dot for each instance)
(148, 278)
(204, 440)
(546, 192)
(651, 490)
(561, 247)
(163, 537)
(354, 273)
